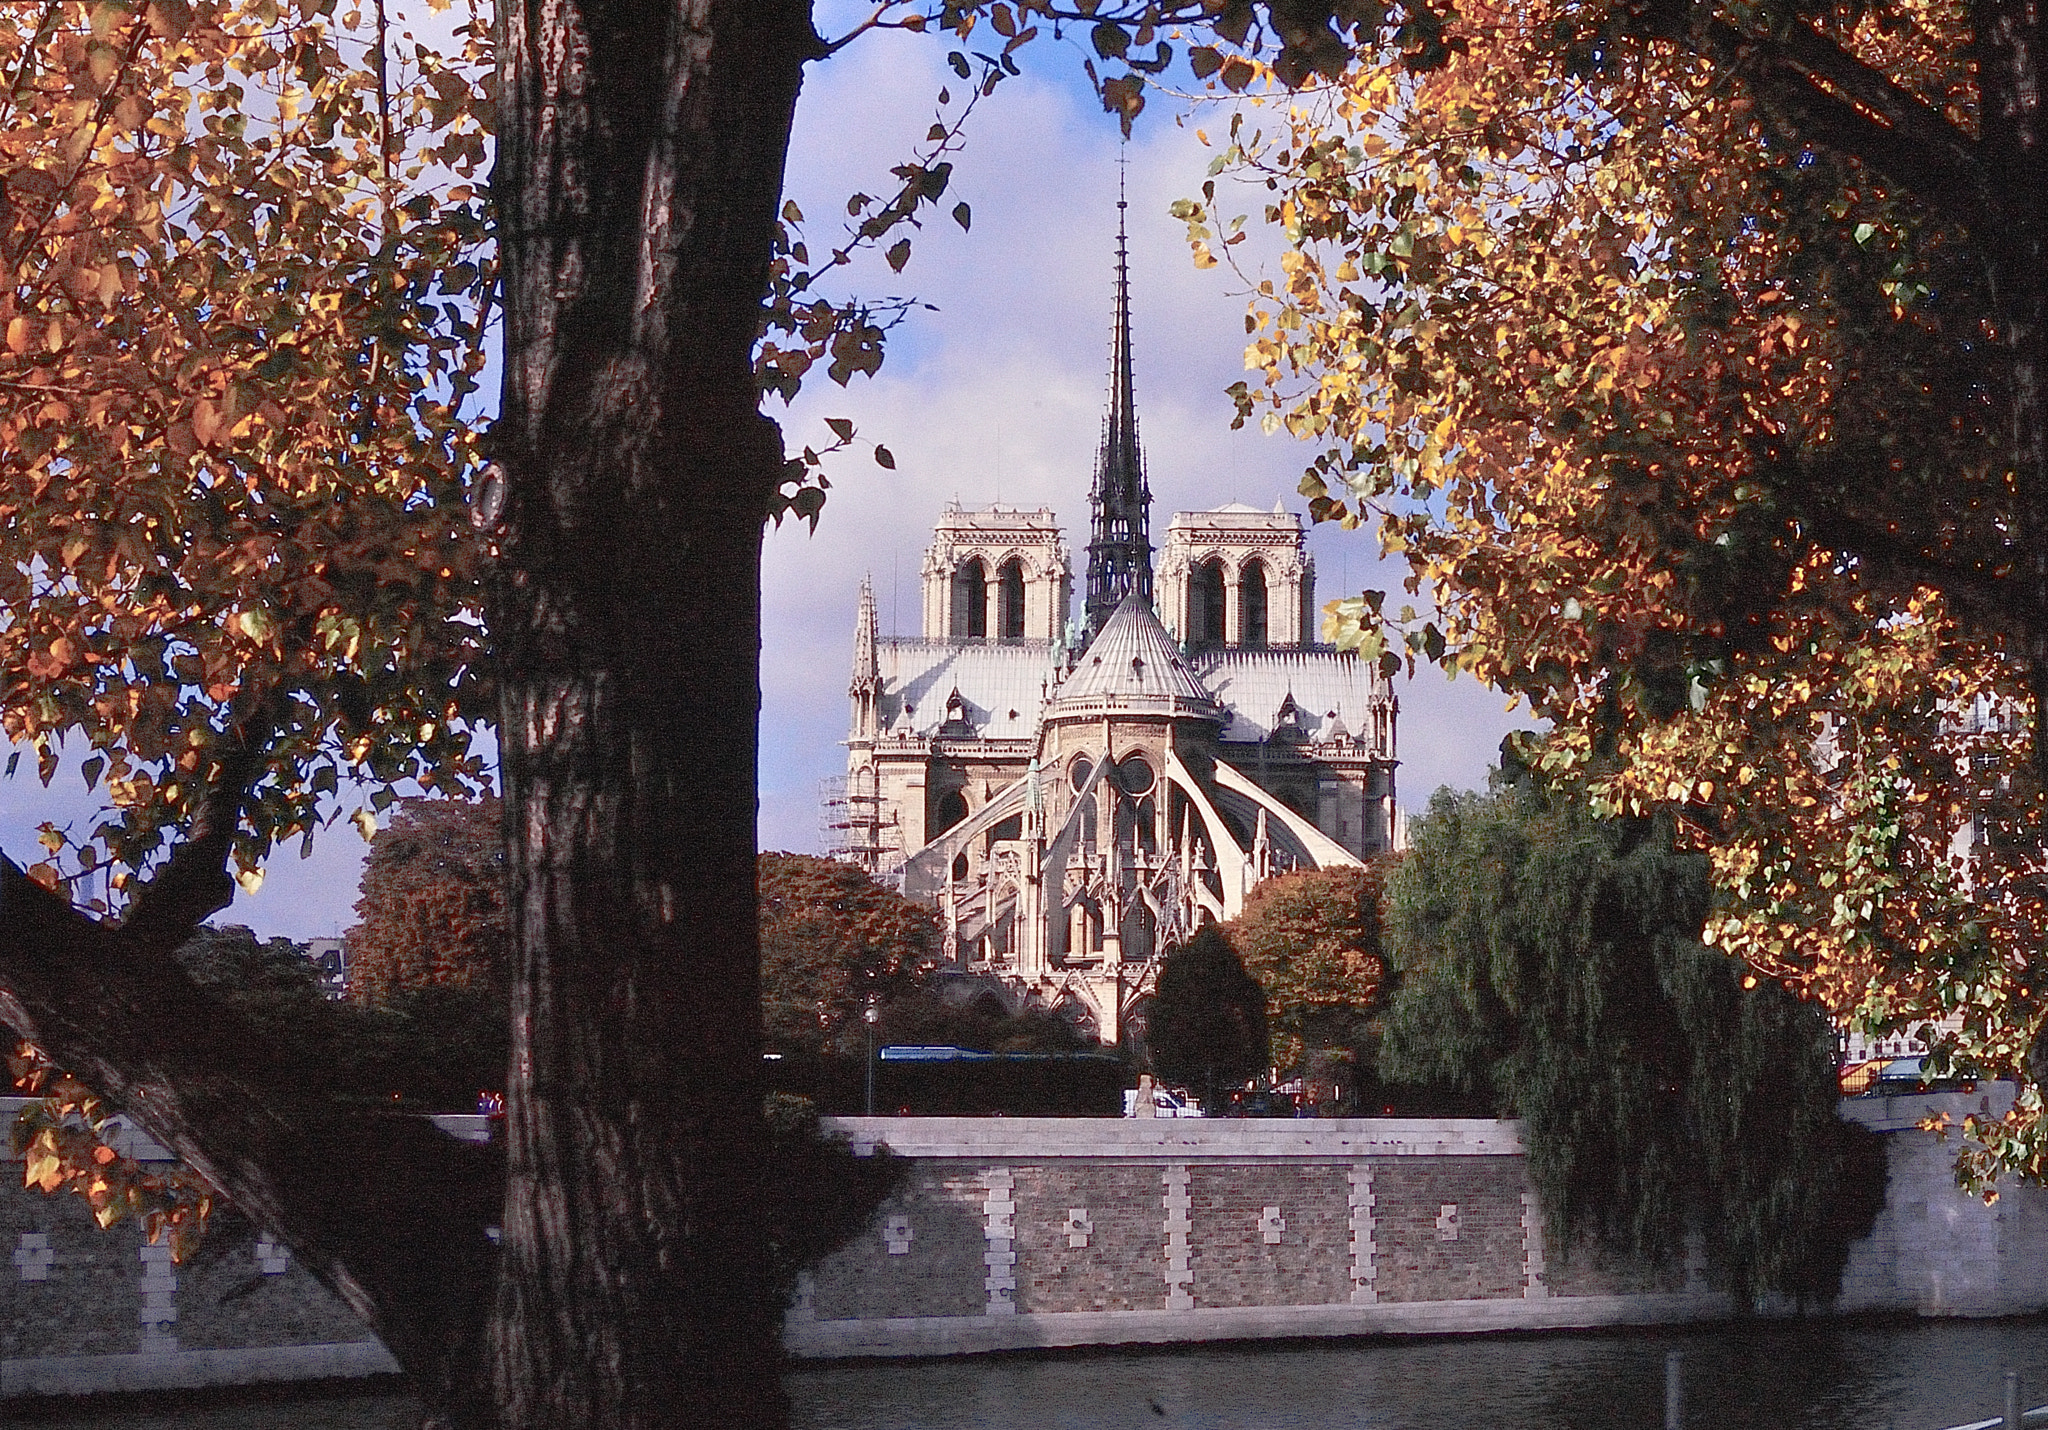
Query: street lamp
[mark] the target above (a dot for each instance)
(872, 1016)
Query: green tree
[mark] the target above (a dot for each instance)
(1551, 961)
(1312, 940)
(831, 938)
(1207, 1024)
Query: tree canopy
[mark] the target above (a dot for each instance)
(256, 540)
(242, 305)
(1206, 1027)
(831, 938)
(1692, 361)
(1551, 961)
(1312, 939)
(432, 903)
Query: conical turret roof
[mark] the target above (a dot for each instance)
(1132, 666)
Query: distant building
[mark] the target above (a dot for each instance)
(1076, 798)
(330, 956)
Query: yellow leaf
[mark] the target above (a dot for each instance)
(365, 823)
(43, 1170)
(18, 335)
(250, 879)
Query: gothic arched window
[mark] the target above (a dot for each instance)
(949, 810)
(970, 600)
(1251, 605)
(1205, 604)
(1010, 600)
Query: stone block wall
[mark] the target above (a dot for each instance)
(1450, 1228)
(1103, 1230)
(1270, 1235)
(1012, 1233)
(84, 1309)
(1087, 1237)
(1935, 1248)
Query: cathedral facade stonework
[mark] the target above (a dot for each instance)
(1076, 798)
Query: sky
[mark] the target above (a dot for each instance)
(994, 391)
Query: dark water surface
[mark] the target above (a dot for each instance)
(1815, 1376)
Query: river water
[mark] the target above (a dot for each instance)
(1783, 1376)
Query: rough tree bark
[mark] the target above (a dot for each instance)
(642, 146)
(641, 154)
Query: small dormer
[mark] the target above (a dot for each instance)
(1290, 721)
(957, 725)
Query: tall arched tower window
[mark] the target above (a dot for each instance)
(1205, 604)
(1027, 604)
(1251, 605)
(970, 600)
(1010, 600)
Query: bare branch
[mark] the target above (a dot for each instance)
(194, 881)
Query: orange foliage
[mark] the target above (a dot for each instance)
(240, 297)
(1699, 441)
(433, 902)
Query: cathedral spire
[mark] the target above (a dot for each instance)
(1120, 545)
(866, 687)
(865, 670)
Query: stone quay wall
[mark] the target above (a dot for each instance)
(1013, 1233)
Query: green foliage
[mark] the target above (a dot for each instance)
(433, 1046)
(1207, 1027)
(1313, 941)
(831, 938)
(926, 1016)
(1550, 962)
(230, 960)
(820, 1195)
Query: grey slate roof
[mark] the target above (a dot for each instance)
(1133, 659)
(993, 678)
(1253, 685)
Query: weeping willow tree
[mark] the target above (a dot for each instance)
(1550, 963)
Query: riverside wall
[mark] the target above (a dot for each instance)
(1009, 1234)
(1016, 1233)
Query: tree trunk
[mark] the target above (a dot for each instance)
(641, 152)
(2008, 53)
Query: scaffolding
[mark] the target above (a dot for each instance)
(853, 826)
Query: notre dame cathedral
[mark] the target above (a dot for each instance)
(1075, 797)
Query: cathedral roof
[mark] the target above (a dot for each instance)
(1254, 685)
(1133, 665)
(1000, 683)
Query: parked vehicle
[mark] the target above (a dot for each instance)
(1166, 1102)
